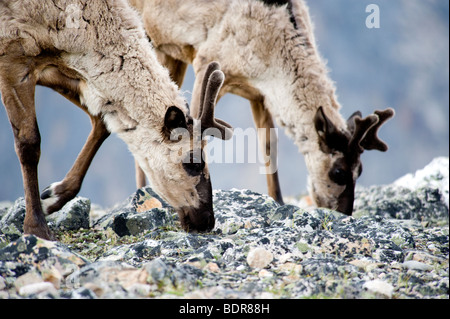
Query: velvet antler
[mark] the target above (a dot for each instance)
(362, 126)
(371, 140)
(364, 130)
(212, 82)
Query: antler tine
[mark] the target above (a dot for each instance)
(211, 87)
(210, 69)
(362, 126)
(371, 140)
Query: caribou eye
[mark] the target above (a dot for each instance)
(339, 176)
(193, 164)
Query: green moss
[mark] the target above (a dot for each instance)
(92, 243)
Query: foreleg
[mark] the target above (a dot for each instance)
(18, 98)
(268, 145)
(58, 194)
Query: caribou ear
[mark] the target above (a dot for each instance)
(330, 138)
(351, 121)
(173, 119)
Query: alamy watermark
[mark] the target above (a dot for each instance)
(373, 19)
(241, 148)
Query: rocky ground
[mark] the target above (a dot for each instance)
(394, 246)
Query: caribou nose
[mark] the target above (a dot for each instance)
(208, 222)
(345, 200)
(196, 220)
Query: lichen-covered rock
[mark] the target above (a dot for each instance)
(435, 176)
(73, 216)
(4, 206)
(423, 196)
(423, 204)
(11, 223)
(395, 246)
(285, 212)
(143, 211)
(134, 223)
(31, 260)
(236, 209)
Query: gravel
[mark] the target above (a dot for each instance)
(394, 246)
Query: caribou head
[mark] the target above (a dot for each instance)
(337, 165)
(185, 182)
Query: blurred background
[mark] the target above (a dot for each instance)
(404, 64)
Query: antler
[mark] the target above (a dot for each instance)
(364, 131)
(212, 82)
(371, 140)
(362, 126)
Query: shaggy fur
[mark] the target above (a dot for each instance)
(96, 54)
(268, 53)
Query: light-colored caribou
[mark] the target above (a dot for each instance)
(96, 54)
(268, 53)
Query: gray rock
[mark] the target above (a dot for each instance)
(435, 176)
(30, 255)
(4, 206)
(395, 246)
(423, 204)
(136, 253)
(134, 223)
(157, 269)
(237, 209)
(130, 218)
(11, 223)
(81, 293)
(284, 212)
(96, 273)
(73, 216)
(421, 196)
(144, 194)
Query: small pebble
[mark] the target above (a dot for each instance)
(259, 258)
(37, 288)
(379, 286)
(417, 265)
